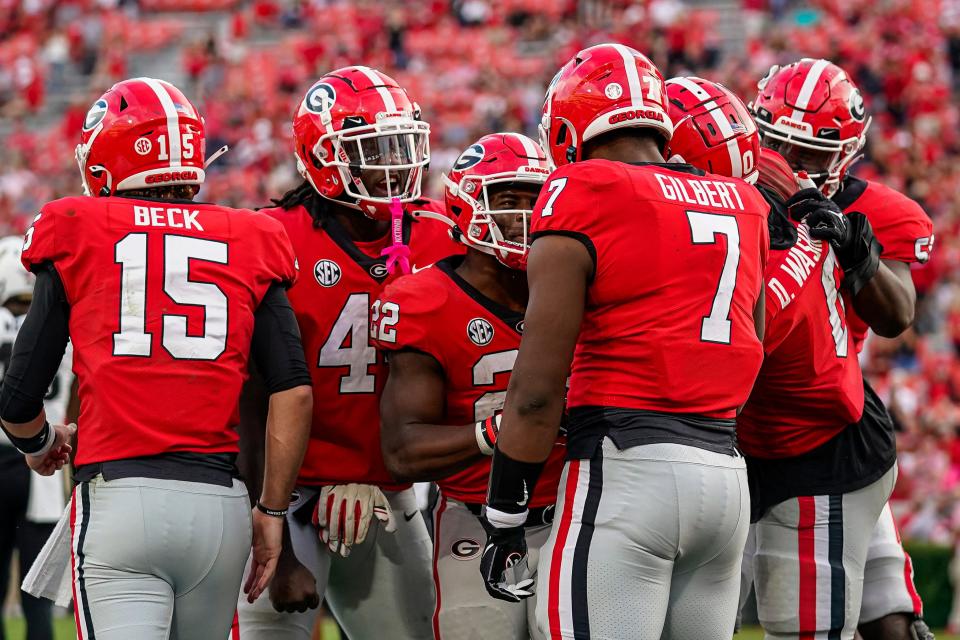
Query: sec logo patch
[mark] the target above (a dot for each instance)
(327, 273)
(465, 549)
(480, 332)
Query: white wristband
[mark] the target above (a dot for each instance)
(503, 520)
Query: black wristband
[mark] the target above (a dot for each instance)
(511, 483)
(35, 444)
(860, 259)
(276, 513)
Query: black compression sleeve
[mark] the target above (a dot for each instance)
(276, 347)
(38, 350)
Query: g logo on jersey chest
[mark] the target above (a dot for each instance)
(327, 273)
(465, 549)
(379, 271)
(480, 332)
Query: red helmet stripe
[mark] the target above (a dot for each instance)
(173, 119)
(809, 84)
(388, 103)
(633, 76)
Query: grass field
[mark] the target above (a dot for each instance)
(64, 631)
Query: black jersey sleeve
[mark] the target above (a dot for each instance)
(38, 350)
(276, 347)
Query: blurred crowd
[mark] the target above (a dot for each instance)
(477, 66)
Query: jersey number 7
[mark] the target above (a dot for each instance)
(704, 229)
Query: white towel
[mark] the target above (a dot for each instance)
(51, 576)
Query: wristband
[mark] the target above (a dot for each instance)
(37, 445)
(276, 513)
(511, 483)
(503, 520)
(486, 432)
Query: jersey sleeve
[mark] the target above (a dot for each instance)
(403, 316)
(41, 243)
(570, 204)
(279, 259)
(901, 225)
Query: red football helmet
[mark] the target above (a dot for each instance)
(604, 87)
(496, 159)
(354, 121)
(812, 113)
(712, 129)
(141, 133)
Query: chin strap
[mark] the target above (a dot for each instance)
(397, 253)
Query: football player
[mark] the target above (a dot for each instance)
(164, 301)
(451, 333)
(806, 410)
(361, 147)
(30, 504)
(648, 277)
(813, 114)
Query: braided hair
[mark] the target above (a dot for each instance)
(304, 195)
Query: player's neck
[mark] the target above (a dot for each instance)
(486, 274)
(624, 149)
(359, 227)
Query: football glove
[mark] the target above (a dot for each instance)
(808, 201)
(503, 563)
(343, 514)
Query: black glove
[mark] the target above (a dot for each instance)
(857, 249)
(503, 564)
(807, 201)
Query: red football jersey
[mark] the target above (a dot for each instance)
(900, 224)
(476, 341)
(679, 254)
(162, 298)
(341, 279)
(810, 386)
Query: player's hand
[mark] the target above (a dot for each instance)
(267, 541)
(59, 453)
(343, 514)
(808, 201)
(503, 563)
(294, 589)
(831, 226)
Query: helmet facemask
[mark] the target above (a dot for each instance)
(502, 232)
(379, 162)
(824, 161)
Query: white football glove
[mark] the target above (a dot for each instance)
(343, 515)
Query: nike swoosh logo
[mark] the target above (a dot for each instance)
(526, 496)
(415, 268)
(409, 516)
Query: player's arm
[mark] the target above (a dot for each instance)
(759, 311)
(559, 269)
(278, 353)
(882, 290)
(888, 301)
(37, 353)
(417, 447)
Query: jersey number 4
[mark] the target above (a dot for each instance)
(179, 252)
